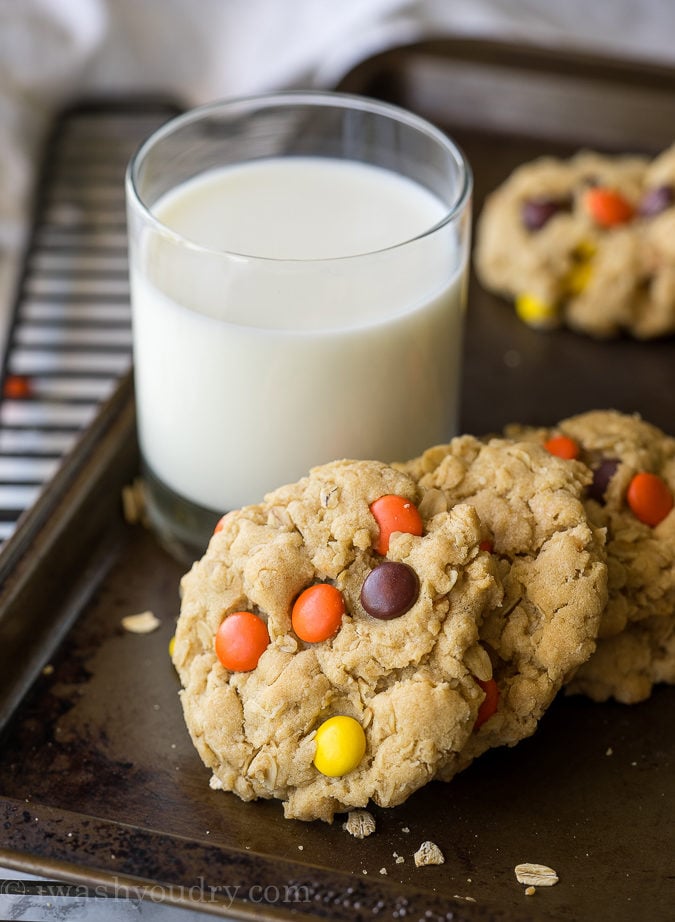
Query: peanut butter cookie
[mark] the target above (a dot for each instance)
(585, 242)
(630, 496)
(328, 642)
(551, 562)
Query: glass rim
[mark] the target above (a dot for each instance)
(307, 98)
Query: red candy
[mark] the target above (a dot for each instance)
(395, 513)
(317, 613)
(649, 498)
(241, 640)
(489, 704)
(562, 446)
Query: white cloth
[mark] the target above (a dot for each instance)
(199, 50)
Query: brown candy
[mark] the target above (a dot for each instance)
(536, 212)
(602, 475)
(656, 200)
(390, 590)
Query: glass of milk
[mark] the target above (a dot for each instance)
(298, 269)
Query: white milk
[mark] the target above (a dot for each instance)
(250, 371)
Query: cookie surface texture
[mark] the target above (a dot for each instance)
(585, 242)
(409, 680)
(618, 448)
(551, 562)
(626, 667)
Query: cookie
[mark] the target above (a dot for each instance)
(551, 562)
(365, 696)
(619, 448)
(585, 242)
(627, 666)
(631, 497)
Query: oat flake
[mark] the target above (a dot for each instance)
(428, 853)
(360, 823)
(143, 623)
(536, 875)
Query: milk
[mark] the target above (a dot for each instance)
(315, 337)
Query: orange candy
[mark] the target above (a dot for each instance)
(317, 613)
(241, 640)
(607, 207)
(490, 702)
(395, 513)
(17, 387)
(220, 524)
(562, 447)
(649, 498)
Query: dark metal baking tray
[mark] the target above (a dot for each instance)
(99, 783)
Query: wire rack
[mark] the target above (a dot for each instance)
(69, 340)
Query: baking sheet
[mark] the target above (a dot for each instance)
(99, 782)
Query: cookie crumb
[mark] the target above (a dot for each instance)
(133, 503)
(536, 874)
(467, 899)
(143, 623)
(428, 853)
(48, 669)
(530, 891)
(383, 871)
(360, 824)
(405, 829)
(610, 752)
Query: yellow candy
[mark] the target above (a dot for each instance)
(585, 250)
(578, 277)
(536, 313)
(172, 644)
(340, 746)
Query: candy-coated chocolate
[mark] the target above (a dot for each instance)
(656, 200)
(390, 590)
(562, 446)
(317, 612)
(340, 746)
(395, 513)
(607, 207)
(535, 312)
(17, 387)
(537, 212)
(241, 640)
(649, 498)
(489, 703)
(579, 276)
(602, 475)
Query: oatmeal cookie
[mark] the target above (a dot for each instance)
(552, 566)
(585, 241)
(619, 449)
(627, 666)
(631, 497)
(367, 694)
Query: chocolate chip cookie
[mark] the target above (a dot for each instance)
(630, 496)
(328, 642)
(551, 562)
(585, 242)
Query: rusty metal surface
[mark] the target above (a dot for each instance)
(99, 781)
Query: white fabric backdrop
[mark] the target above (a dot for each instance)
(52, 50)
